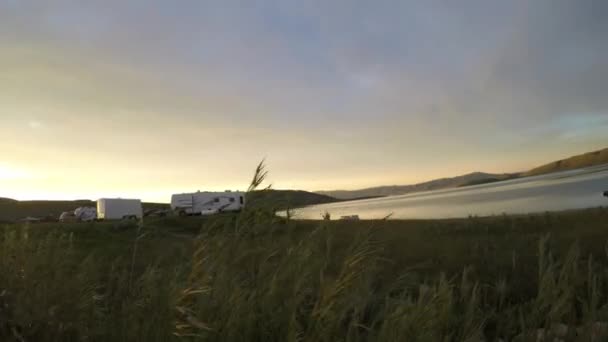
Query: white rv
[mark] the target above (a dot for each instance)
(118, 209)
(206, 203)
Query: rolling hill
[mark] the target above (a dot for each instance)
(583, 160)
(442, 183)
(576, 162)
(286, 199)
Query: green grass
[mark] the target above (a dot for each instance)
(254, 277)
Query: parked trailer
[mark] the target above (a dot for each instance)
(118, 209)
(207, 203)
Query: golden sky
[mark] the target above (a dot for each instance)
(144, 99)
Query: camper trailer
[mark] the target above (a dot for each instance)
(207, 203)
(118, 209)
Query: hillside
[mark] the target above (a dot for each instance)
(575, 162)
(442, 183)
(283, 199)
(475, 178)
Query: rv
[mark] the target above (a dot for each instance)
(207, 203)
(118, 209)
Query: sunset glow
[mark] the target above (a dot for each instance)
(137, 99)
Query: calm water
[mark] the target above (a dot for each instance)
(574, 189)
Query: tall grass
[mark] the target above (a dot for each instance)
(268, 283)
(257, 277)
(248, 287)
(49, 293)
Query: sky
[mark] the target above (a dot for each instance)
(143, 99)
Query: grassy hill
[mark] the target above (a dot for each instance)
(284, 199)
(490, 179)
(442, 183)
(575, 162)
(583, 160)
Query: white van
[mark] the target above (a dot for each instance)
(207, 203)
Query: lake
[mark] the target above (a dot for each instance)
(574, 189)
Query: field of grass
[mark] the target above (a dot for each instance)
(255, 277)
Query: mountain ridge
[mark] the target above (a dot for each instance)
(578, 161)
(435, 184)
(593, 158)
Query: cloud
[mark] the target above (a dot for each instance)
(358, 87)
(556, 62)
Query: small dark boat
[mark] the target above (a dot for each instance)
(606, 193)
